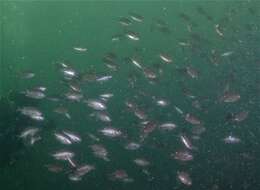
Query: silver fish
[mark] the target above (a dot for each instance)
(100, 151)
(167, 126)
(111, 132)
(72, 136)
(29, 132)
(96, 104)
(132, 146)
(132, 36)
(166, 58)
(141, 162)
(63, 155)
(184, 178)
(231, 140)
(62, 139)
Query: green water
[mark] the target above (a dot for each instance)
(36, 35)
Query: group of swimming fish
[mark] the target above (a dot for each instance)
(73, 80)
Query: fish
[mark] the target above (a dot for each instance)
(29, 132)
(96, 104)
(186, 141)
(63, 155)
(226, 54)
(74, 96)
(183, 155)
(100, 151)
(62, 139)
(141, 162)
(192, 119)
(167, 126)
(132, 36)
(104, 78)
(166, 58)
(80, 49)
(125, 21)
(27, 75)
(74, 138)
(162, 102)
(62, 110)
(106, 95)
(136, 63)
(80, 171)
(54, 168)
(240, 116)
(35, 94)
(69, 73)
(103, 116)
(136, 17)
(231, 140)
(184, 178)
(219, 32)
(32, 112)
(230, 97)
(111, 132)
(120, 175)
(132, 146)
(192, 72)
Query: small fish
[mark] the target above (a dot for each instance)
(231, 140)
(80, 172)
(136, 17)
(103, 116)
(111, 132)
(132, 36)
(192, 119)
(68, 73)
(72, 136)
(27, 75)
(162, 103)
(29, 132)
(226, 54)
(219, 32)
(80, 49)
(32, 112)
(54, 168)
(132, 146)
(149, 73)
(240, 116)
(187, 143)
(106, 95)
(96, 104)
(136, 63)
(74, 96)
(100, 151)
(183, 156)
(178, 110)
(63, 155)
(104, 78)
(141, 162)
(230, 97)
(166, 58)
(167, 126)
(62, 139)
(62, 110)
(184, 178)
(192, 72)
(35, 94)
(125, 21)
(120, 175)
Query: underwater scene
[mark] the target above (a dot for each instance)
(123, 95)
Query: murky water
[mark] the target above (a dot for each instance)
(129, 95)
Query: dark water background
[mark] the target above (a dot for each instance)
(36, 35)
